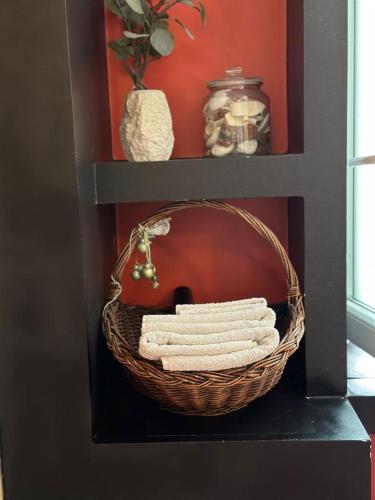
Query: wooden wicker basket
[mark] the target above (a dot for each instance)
(199, 393)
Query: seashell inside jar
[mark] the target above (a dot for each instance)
(237, 116)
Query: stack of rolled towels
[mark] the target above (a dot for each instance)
(209, 337)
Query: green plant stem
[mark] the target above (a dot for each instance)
(130, 71)
(138, 63)
(158, 5)
(145, 61)
(168, 7)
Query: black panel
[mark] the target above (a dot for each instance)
(43, 356)
(325, 56)
(295, 47)
(92, 141)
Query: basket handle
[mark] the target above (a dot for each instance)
(292, 279)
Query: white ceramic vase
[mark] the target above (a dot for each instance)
(146, 126)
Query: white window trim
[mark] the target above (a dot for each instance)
(360, 318)
(361, 326)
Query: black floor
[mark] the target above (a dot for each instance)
(284, 413)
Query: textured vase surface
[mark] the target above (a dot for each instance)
(146, 127)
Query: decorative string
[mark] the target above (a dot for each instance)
(115, 285)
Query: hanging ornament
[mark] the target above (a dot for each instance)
(141, 246)
(160, 228)
(148, 270)
(137, 272)
(136, 275)
(155, 283)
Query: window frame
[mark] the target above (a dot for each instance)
(361, 317)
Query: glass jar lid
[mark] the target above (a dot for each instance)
(234, 77)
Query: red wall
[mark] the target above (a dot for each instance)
(250, 33)
(215, 254)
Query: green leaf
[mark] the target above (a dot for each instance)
(135, 18)
(145, 7)
(159, 24)
(130, 34)
(185, 28)
(121, 48)
(114, 7)
(190, 3)
(163, 41)
(124, 12)
(135, 5)
(153, 54)
(203, 14)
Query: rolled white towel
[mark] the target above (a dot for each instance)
(173, 338)
(204, 328)
(224, 361)
(221, 306)
(266, 315)
(219, 310)
(155, 351)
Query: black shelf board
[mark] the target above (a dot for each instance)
(199, 178)
(283, 414)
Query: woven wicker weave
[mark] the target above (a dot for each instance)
(199, 393)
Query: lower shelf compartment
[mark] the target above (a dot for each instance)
(124, 416)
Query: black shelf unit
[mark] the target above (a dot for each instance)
(61, 435)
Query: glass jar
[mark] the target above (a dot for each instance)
(237, 116)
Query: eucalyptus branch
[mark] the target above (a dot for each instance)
(146, 36)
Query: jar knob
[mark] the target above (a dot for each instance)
(234, 71)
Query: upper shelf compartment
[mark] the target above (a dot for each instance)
(183, 76)
(263, 36)
(234, 177)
